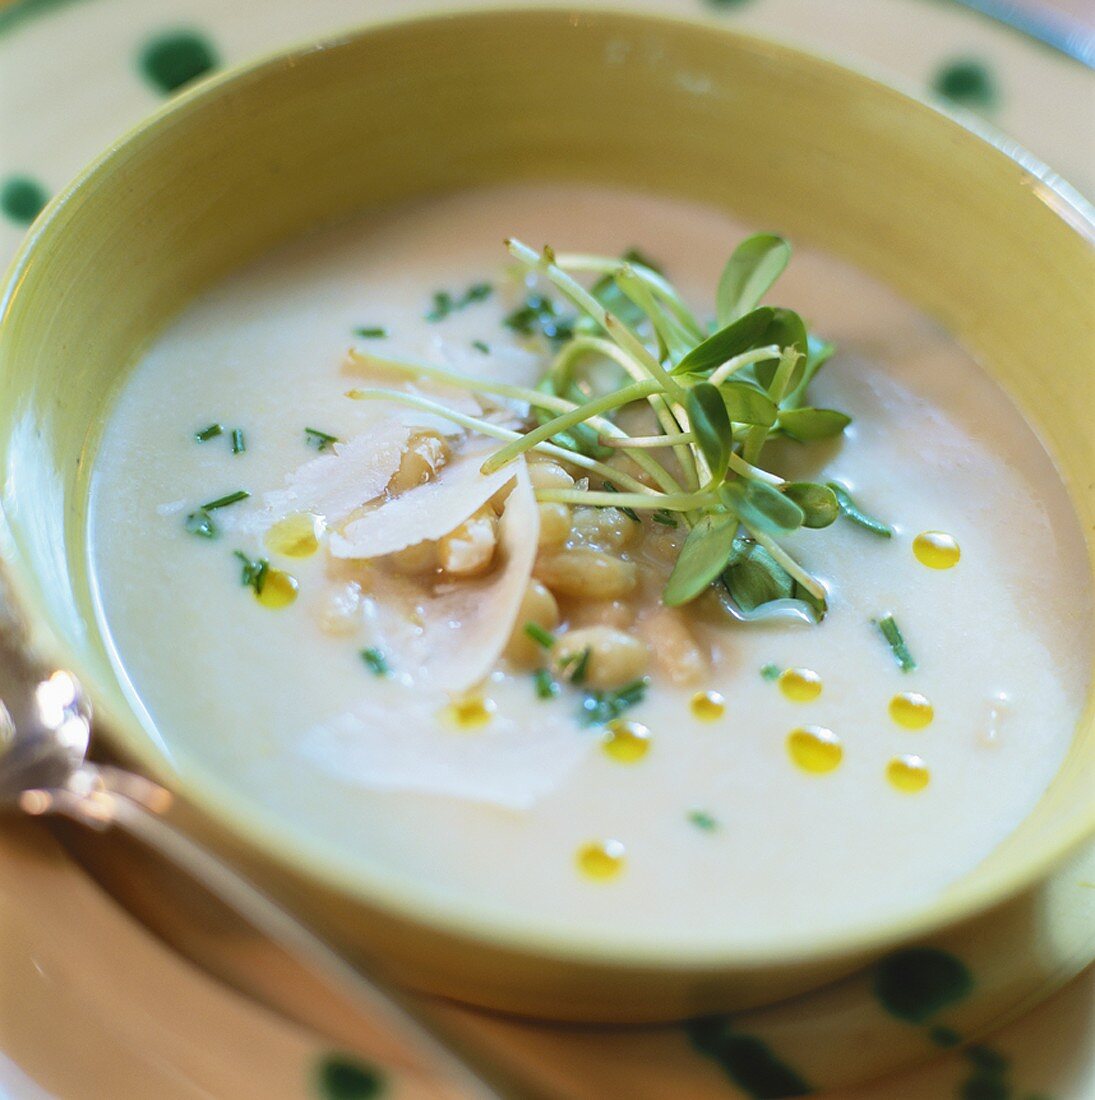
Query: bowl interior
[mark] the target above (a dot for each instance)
(991, 247)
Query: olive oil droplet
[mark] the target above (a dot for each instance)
(625, 741)
(470, 713)
(801, 685)
(295, 536)
(936, 549)
(908, 773)
(279, 589)
(708, 706)
(601, 859)
(815, 749)
(911, 710)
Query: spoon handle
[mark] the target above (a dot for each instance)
(104, 797)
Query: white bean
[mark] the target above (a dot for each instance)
(538, 606)
(591, 574)
(615, 658)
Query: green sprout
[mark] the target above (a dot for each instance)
(717, 393)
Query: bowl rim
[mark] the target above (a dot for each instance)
(381, 887)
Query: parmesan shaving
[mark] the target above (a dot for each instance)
(512, 763)
(338, 482)
(426, 512)
(450, 638)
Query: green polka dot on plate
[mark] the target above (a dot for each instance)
(915, 983)
(750, 1063)
(340, 1077)
(175, 58)
(966, 81)
(21, 198)
(988, 1079)
(944, 1037)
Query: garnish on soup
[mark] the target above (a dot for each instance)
(715, 395)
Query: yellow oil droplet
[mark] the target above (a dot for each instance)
(815, 749)
(601, 859)
(908, 773)
(936, 549)
(708, 706)
(911, 710)
(625, 741)
(296, 536)
(469, 713)
(279, 589)
(802, 685)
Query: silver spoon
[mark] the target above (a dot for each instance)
(45, 733)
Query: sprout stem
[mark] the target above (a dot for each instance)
(792, 567)
(646, 442)
(588, 304)
(746, 359)
(657, 283)
(578, 415)
(485, 427)
(740, 466)
(671, 502)
(535, 398)
(658, 403)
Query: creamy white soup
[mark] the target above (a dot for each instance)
(855, 680)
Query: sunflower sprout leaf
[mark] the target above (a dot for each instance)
(807, 425)
(711, 426)
(732, 339)
(819, 504)
(704, 555)
(749, 274)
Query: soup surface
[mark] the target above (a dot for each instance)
(766, 778)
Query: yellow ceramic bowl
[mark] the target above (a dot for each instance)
(985, 240)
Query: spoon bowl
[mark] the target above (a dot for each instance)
(45, 727)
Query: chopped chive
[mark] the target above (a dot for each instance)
(481, 346)
(477, 292)
(376, 661)
(629, 512)
(201, 523)
(445, 303)
(320, 440)
(253, 573)
(852, 511)
(238, 443)
(223, 502)
(892, 633)
(538, 315)
(600, 707)
(703, 820)
(209, 433)
(371, 332)
(539, 635)
(771, 672)
(663, 517)
(546, 686)
(581, 666)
